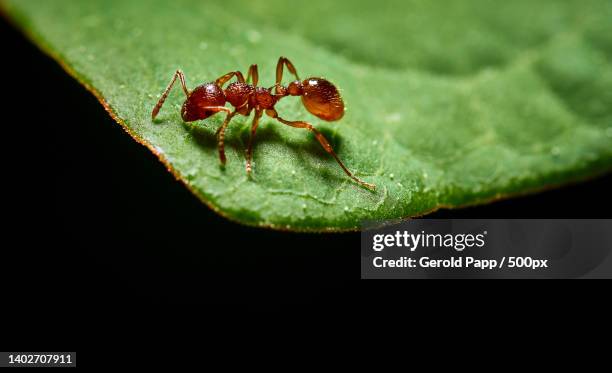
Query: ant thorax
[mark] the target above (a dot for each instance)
(263, 99)
(238, 93)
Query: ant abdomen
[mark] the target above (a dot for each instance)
(321, 98)
(203, 96)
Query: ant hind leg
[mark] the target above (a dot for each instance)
(324, 143)
(283, 61)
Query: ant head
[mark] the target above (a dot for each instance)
(321, 98)
(205, 95)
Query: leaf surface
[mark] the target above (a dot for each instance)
(448, 103)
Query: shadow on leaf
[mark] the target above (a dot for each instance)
(237, 137)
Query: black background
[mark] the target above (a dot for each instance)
(94, 224)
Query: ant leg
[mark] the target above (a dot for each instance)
(221, 136)
(258, 114)
(164, 95)
(217, 109)
(283, 61)
(253, 73)
(221, 130)
(222, 80)
(324, 143)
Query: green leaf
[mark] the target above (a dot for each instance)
(448, 103)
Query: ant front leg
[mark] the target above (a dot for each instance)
(323, 141)
(221, 136)
(216, 109)
(258, 113)
(164, 95)
(223, 79)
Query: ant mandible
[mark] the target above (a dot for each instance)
(319, 96)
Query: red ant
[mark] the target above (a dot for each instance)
(319, 96)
